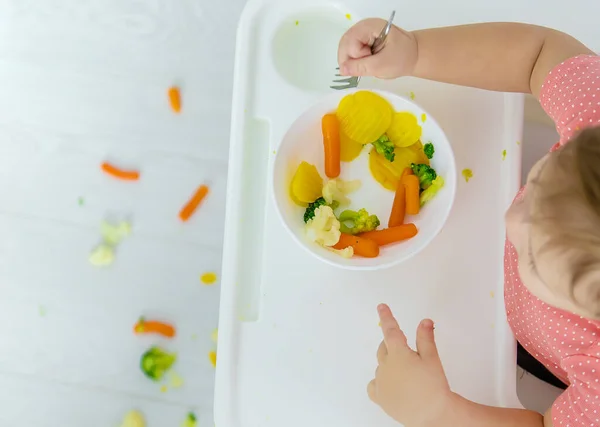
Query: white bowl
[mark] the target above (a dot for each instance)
(304, 142)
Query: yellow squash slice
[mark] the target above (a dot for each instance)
(404, 130)
(306, 185)
(364, 116)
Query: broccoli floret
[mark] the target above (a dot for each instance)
(190, 420)
(155, 362)
(433, 189)
(425, 173)
(361, 220)
(429, 150)
(309, 213)
(385, 147)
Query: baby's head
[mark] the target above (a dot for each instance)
(555, 227)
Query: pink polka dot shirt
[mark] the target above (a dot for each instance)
(567, 344)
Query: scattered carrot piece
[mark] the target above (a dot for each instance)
(120, 173)
(188, 210)
(363, 247)
(411, 185)
(399, 205)
(175, 99)
(392, 234)
(144, 326)
(331, 143)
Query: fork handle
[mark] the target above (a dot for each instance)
(379, 42)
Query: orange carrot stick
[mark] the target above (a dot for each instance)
(411, 185)
(399, 205)
(331, 143)
(144, 326)
(363, 247)
(175, 99)
(120, 173)
(392, 234)
(190, 207)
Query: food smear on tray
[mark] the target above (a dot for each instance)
(398, 161)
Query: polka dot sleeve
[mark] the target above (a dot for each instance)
(579, 405)
(571, 95)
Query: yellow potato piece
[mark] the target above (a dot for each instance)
(404, 130)
(306, 185)
(364, 116)
(349, 149)
(388, 173)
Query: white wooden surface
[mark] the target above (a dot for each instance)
(81, 82)
(85, 80)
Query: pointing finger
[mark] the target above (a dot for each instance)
(393, 336)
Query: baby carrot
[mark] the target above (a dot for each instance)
(144, 326)
(363, 247)
(411, 185)
(120, 173)
(392, 234)
(190, 207)
(399, 205)
(175, 99)
(331, 143)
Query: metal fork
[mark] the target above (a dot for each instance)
(376, 47)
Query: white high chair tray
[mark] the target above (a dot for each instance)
(298, 337)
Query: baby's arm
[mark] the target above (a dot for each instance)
(508, 57)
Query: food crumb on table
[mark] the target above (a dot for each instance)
(423, 117)
(163, 389)
(190, 420)
(133, 418)
(297, 22)
(412, 95)
(80, 201)
(492, 294)
(212, 356)
(175, 380)
(349, 17)
(208, 278)
(102, 255)
(518, 142)
(467, 174)
(503, 154)
(214, 336)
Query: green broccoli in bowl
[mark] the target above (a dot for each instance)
(361, 221)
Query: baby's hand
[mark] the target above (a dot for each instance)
(397, 58)
(410, 386)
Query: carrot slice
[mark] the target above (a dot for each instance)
(190, 207)
(175, 99)
(120, 173)
(331, 143)
(363, 247)
(144, 326)
(399, 205)
(392, 234)
(411, 185)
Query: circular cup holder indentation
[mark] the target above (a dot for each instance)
(304, 48)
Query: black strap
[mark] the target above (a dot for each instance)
(530, 364)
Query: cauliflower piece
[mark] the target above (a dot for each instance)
(133, 419)
(102, 255)
(114, 233)
(324, 228)
(337, 189)
(344, 253)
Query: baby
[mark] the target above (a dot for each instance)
(552, 254)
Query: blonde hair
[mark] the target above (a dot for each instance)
(568, 212)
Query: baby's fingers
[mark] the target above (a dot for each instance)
(394, 338)
(357, 41)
